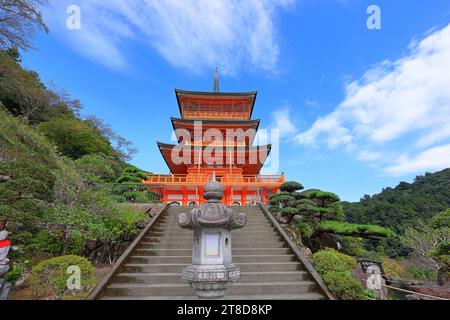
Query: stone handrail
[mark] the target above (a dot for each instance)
(303, 259)
(96, 293)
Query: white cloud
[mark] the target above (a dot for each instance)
(394, 102)
(432, 159)
(192, 34)
(312, 103)
(367, 155)
(282, 121)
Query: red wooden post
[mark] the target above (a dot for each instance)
(244, 197)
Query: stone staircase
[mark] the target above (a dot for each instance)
(269, 269)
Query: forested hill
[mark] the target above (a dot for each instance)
(408, 204)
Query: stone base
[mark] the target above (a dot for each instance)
(211, 281)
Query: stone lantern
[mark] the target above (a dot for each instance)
(212, 270)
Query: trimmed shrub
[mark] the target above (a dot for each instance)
(329, 260)
(345, 228)
(291, 186)
(49, 277)
(343, 285)
(289, 211)
(305, 230)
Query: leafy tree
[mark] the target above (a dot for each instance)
(129, 187)
(18, 21)
(319, 216)
(124, 148)
(77, 207)
(432, 242)
(132, 175)
(441, 220)
(26, 171)
(75, 138)
(21, 91)
(95, 168)
(355, 230)
(291, 186)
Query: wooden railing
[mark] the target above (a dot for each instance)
(204, 178)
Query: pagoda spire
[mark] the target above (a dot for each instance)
(216, 80)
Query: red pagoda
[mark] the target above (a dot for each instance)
(215, 133)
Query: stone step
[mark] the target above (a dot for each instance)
(177, 277)
(158, 236)
(269, 269)
(142, 251)
(249, 229)
(302, 296)
(244, 267)
(236, 244)
(188, 259)
(238, 288)
(234, 234)
(250, 223)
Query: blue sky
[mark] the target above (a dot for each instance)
(358, 109)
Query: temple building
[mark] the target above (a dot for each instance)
(215, 133)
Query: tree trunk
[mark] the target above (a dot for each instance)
(66, 241)
(443, 276)
(2, 225)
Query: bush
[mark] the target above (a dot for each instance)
(441, 220)
(330, 260)
(352, 246)
(421, 274)
(49, 277)
(335, 268)
(343, 285)
(305, 230)
(393, 269)
(14, 273)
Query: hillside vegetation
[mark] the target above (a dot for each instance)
(60, 176)
(407, 205)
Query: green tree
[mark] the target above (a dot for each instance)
(26, 171)
(78, 206)
(21, 91)
(75, 138)
(19, 19)
(432, 242)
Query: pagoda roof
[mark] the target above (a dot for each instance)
(207, 94)
(215, 124)
(182, 168)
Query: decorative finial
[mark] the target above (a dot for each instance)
(213, 190)
(216, 80)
